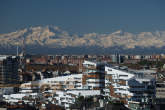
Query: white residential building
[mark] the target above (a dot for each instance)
(116, 84)
(129, 87)
(67, 98)
(94, 75)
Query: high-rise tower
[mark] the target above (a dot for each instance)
(9, 70)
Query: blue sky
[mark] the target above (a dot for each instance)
(83, 16)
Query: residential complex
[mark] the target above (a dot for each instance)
(129, 86)
(160, 92)
(136, 89)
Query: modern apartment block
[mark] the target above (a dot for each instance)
(143, 88)
(93, 75)
(61, 90)
(67, 98)
(70, 82)
(9, 70)
(116, 84)
(160, 92)
(129, 87)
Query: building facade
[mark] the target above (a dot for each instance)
(9, 70)
(129, 87)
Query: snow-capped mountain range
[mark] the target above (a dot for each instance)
(54, 37)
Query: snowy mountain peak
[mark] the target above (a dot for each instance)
(55, 37)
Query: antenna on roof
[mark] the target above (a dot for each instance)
(22, 57)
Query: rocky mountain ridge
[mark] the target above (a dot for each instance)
(55, 37)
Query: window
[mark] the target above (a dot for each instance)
(123, 75)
